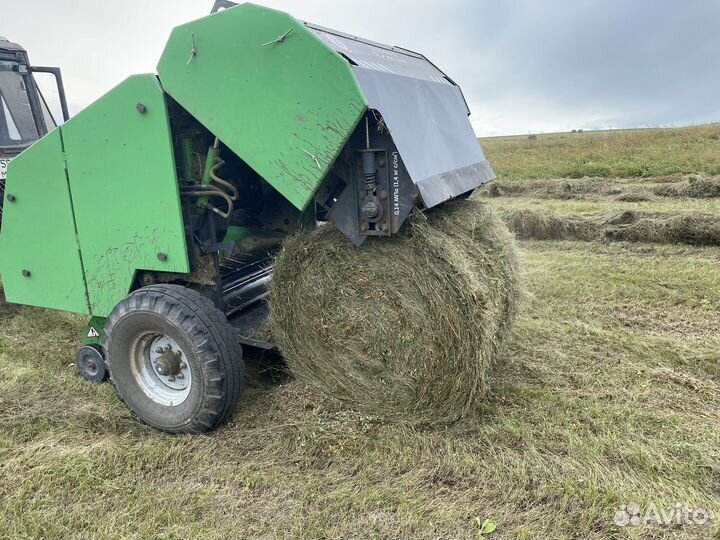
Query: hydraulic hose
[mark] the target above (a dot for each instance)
(212, 191)
(235, 194)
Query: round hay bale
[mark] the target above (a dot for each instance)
(405, 328)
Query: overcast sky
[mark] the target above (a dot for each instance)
(524, 65)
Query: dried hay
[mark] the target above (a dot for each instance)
(694, 185)
(405, 328)
(663, 228)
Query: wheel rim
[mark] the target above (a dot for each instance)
(161, 368)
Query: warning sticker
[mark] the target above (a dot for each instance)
(92, 333)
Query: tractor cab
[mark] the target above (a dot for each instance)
(24, 113)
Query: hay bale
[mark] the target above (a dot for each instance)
(405, 328)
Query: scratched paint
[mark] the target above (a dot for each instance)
(300, 104)
(125, 191)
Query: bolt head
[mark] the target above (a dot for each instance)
(26, 273)
(11, 198)
(162, 257)
(141, 108)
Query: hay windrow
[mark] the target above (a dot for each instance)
(567, 189)
(690, 228)
(405, 328)
(698, 186)
(694, 185)
(544, 225)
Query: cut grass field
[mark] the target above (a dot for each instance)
(622, 154)
(609, 395)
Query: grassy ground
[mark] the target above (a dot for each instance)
(628, 153)
(610, 395)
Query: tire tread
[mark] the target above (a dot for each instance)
(219, 351)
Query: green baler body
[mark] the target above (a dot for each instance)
(39, 235)
(97, 200)
(286, 109)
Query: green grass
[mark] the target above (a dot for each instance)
(626, 153)
(610, 394)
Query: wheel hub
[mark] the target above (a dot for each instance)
(162, 369)
(168, 364)
(91, 364)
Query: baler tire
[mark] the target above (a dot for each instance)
(202, 333)
(91, 364)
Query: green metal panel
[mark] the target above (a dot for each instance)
(94, 331)
(125, 190)
(285, 107)
(38, 232)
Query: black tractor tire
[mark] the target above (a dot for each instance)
(211, 357)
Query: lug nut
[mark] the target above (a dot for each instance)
(180, 376)
(183, 365)
(159, 350)
(171, 379)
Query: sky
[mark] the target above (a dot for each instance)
(525, 66)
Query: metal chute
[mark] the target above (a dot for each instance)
(425, 112)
